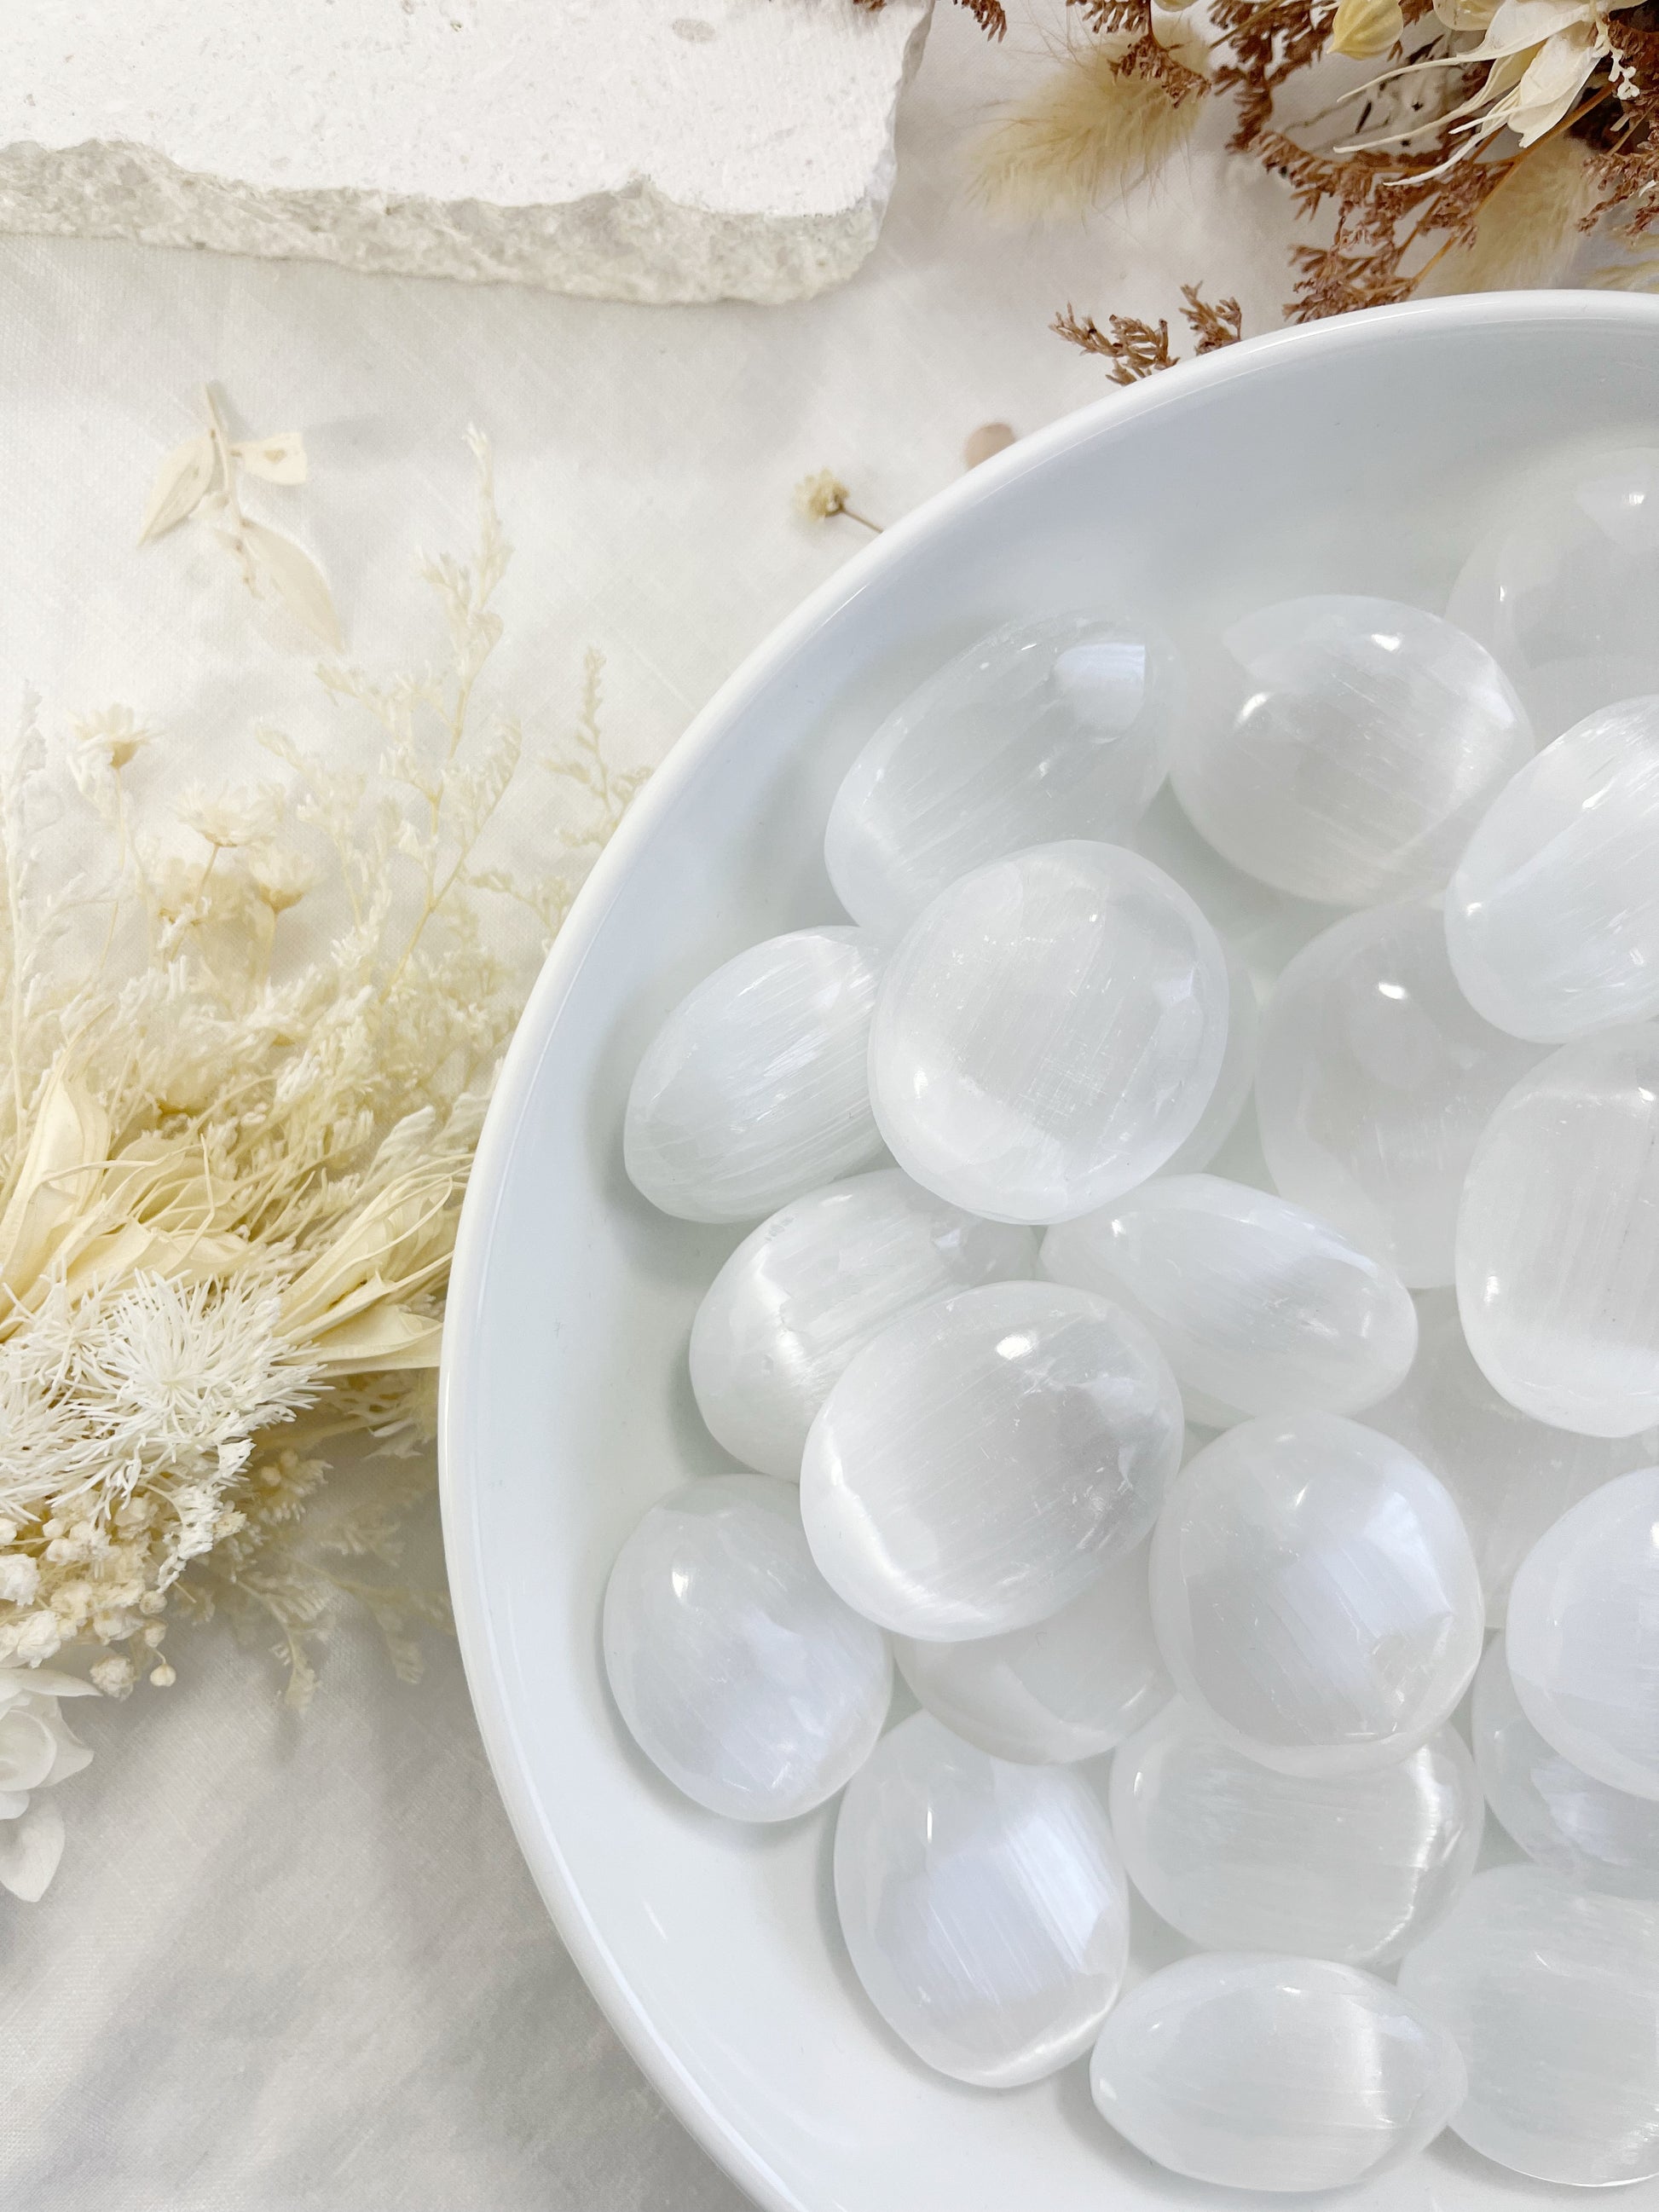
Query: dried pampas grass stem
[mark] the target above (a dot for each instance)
(1093, 127)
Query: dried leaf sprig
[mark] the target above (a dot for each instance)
(1136, 350)
(200, 478)
(231, 1167)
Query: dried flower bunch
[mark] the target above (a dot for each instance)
(234, 1139)
(1493, 134)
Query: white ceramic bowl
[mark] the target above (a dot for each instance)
(1340, 457)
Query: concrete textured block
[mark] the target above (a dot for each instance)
(636, 149)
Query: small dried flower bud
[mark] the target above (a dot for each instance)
(817, 497)
(8, 1532)
(1364, 29)
(53, 1527)
(151, 1603)
(151, 1637)
(990, 438)
(114, 1677)
(162, 1676)
(20, 1579)
(282, 879)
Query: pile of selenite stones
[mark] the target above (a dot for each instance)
(992, 1283)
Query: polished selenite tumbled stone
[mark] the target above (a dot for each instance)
(1552, 913)
(1236, 1080)
(817, 1281)
(1068, 1687)
(1558, 1238)
(1510, 1476)
(1049, 1032)
(1315, 1594)
(1375, 1079)
(1583, 1637)
(739, 1671)
(1258, 1306)
(1278, 2073)
(756, 1087)
(1055, 728)
(1563, 586)
(983, 1904)
(977, 1464)
(1342, 749)
(1599, 1837)
(1354, 1866)
(1551, 1994)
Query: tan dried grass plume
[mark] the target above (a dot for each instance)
(1525, 229)
(1089, 130)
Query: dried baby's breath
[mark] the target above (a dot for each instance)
(230, 1176)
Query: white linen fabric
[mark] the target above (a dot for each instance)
(295, 1964)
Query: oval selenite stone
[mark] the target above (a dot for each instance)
(983, 1904)
(1055, 728)
(1048, 1033)
(739, 1671)
(1236, 1080)
(1315, 1594)
(1354, 1866)
(1375, 1079)
(1511, 1476)
(1066, 1688)
(1273, 2073)
(816, 1282)
(1343, 749)
(1258, 1306)
(1551, 1994)
(1563, 586)
(755, 1088)
(976, 1465)
(1552, 914)
(1583, 1639)
(1558, 1238)
(1599, 1837)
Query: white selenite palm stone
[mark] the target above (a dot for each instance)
(815, 1284)
(1558, 1238)
(1234, 1084)
(1375, 1078)
(978, 1463)
(1354, 1866)
(755, 1088)
(1551, 1994)
(1342, 749)
(739, 1672)
(1049, 1032)
(983, 1904)
(1552, 913)
(1599, 1837)
(1259, 1307)
(1315, 1594)
(1510, 1476)
(1068, 1688)
(1562, 588)
(1286, 2074)
(1058, 728)
(1582, 1638)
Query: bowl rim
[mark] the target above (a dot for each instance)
(458, 1491)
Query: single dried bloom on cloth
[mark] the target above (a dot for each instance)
(38, 1749)
(1362, 28)
(819, 497)
(246, 815)
(116, 735)
(1099, 123)
(280, 879)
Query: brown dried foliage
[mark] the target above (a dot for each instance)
(1135, 348)
(990, 15)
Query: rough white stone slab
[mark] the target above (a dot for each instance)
(638, 150)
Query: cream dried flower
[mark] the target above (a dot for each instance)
(821, 496)
(38, 1749)
(230, 1177)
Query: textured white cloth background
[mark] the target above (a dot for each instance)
(296, 1963)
